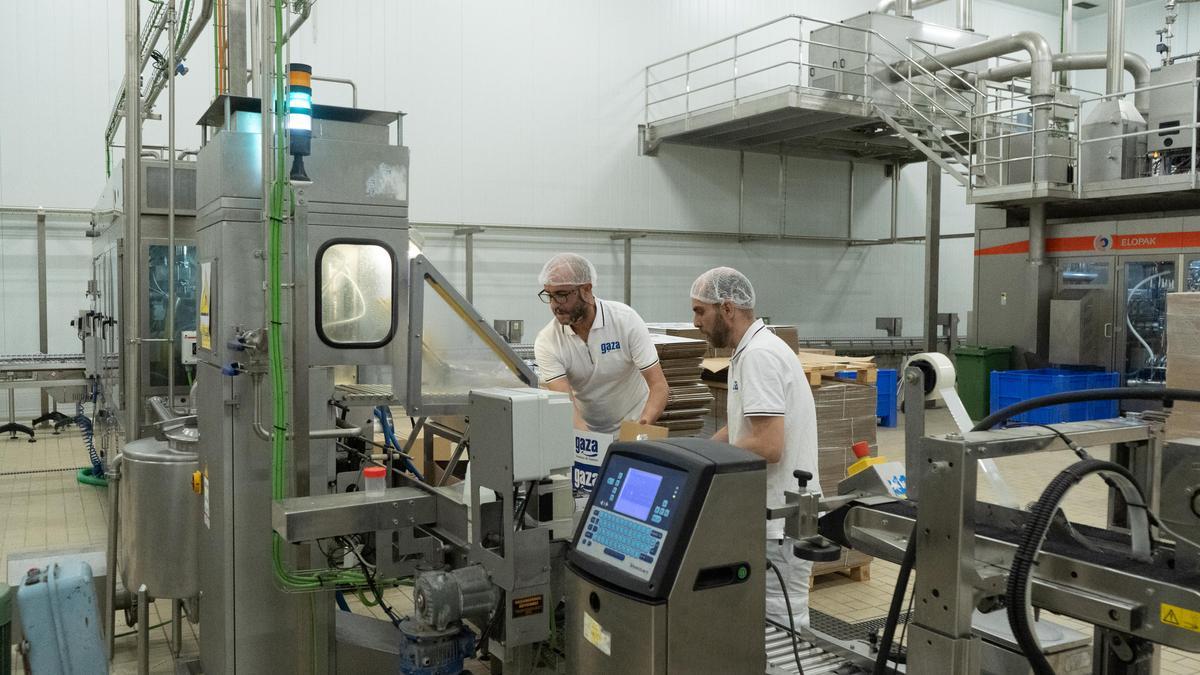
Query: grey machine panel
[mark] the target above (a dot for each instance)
(1077, 328)
(1171, 108)
(698, 625)
(359, 191)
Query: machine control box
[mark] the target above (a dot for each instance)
(639, 518)
(187, 347)
(634, 508)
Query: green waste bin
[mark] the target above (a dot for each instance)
(7, 595)
(974, 365)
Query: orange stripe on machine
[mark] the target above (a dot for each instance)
(1123, 242)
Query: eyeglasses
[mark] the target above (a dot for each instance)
(558, 297)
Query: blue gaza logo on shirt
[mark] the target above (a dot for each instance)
(735, 386)
(607, 347)
(588, 447)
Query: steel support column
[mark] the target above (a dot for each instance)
(43, 335)
(933, 234)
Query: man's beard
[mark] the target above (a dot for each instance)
(574, 316)
(719, 337)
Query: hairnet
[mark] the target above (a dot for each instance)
(724, 283)
(567, 269)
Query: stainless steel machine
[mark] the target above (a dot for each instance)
(144, 348)
(974, 560)
(666, 572)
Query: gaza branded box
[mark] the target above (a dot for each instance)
(592, 446)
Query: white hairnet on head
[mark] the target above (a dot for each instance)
(567, 269)
(724, 283)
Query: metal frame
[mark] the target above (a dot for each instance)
(956, 567)
(421, 273)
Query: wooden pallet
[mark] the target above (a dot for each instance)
(857, 573)
(819, 367)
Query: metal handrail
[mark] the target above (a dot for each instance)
(944, 67)
(725, 39)
(726, 81)
(1031, 106)
(725, 60)
(1138, 90)
(932, 101)
(1144, 132)
(1026, 158)
(965, 149)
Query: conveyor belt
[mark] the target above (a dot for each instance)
(816, 661)
(10, 362)
(1109, 548)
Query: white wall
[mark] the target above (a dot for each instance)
(519, 112)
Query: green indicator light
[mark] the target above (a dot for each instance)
(742, 572)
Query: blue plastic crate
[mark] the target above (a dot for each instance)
(885, 402)
(1014, 386)
(885, 394)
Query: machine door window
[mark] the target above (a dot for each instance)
(1145, 287)
(1083, 274)
(1191, 275)
(356, 281)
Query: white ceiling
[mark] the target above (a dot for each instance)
(1055, 7)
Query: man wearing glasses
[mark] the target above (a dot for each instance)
(599, 351)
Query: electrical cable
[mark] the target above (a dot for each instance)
(1017, 593)
(893, 615)
(1129, 321)
(787, 602)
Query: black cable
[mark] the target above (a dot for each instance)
(893, 615)
(519, 521)
(1166, 395)
(1075, 447)
(901, 644)
(370, 577)
(787, 602)
(1032, 536)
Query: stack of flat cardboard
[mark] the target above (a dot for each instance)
(1183, 361)
(845, 416)
(688, 399)
(789, 334)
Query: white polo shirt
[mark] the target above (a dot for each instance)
(605, 373)
(766, 379)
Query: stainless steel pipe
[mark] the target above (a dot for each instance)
(1116, 46)
(1134, 64)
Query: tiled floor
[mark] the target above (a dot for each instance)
(47, 510)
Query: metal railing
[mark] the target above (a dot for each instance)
(987, 127)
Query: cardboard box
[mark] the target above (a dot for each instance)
(1183, 361)
(592, 446)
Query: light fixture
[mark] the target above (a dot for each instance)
(299, 117)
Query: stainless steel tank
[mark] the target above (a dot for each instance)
(159, 517)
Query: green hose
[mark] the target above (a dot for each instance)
(85, 477)
(288, 578)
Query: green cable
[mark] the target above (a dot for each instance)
(290, 579)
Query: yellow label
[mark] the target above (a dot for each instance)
(196, 485)
(594, 633)
(1179, 617)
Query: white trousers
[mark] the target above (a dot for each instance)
(796, 574)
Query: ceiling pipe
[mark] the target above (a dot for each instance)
(1134, 64)
(1116, 47)
(1041, 58)
(893, 6)
(965, 13)
(160, 77)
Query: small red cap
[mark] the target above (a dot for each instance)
(861, 449)
(374, 472)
